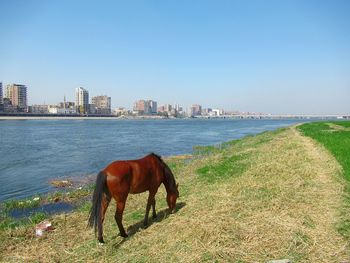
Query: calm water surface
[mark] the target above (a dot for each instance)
(32, 152)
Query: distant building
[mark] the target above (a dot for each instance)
(217, 112)
(67, 104)
(56, 109)
(92, 109)
(1, 96)
(139, 107)
(145, 107)
(7, 106)
(39, 109)
(82, 100)
(153, 106)
(102, 104)
(206, 111)
(166, 108)
(194, 110)
(178, 108)
(161, 109)
(17, 94)
(121, 111)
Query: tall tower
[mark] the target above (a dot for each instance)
(18, 95)
(1, 98)
(82, 100)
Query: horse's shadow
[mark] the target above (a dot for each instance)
(133, 229)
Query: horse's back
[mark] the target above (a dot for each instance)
(134, 176)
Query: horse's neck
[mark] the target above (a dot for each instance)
(168, 182)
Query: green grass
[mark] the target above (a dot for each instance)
(343, 123)
(337, 141)
(227, 167)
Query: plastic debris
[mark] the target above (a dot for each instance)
(42, 227)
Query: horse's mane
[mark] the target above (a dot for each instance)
(158, 156)
(168, 174)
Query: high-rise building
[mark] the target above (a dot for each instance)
(17, 94)
(178, 108)
(153, 106)
(145, 107)
(102, 104)
(82, 100)
(1, 97)
(195, 110)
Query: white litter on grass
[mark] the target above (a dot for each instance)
(43, 227)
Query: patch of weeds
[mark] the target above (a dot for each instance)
(228, 167)
(37, 218)
(84, 207)
(308, 222)
(20, 204)
(52, 197)
(79, 193)
(300, 239)
(207, 257)
(10, 223)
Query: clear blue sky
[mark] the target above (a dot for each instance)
(265, 56)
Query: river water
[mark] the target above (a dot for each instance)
(33, 152)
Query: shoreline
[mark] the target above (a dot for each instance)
(248, 117)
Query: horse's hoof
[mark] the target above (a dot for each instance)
(124, 235)
(154, 216)
(101, 241)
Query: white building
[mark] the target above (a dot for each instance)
(82, 100)
(54, 109)
(216, 112)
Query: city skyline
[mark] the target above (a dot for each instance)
(289, 57)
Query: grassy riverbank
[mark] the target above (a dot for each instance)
(335, 137)
(271, 196)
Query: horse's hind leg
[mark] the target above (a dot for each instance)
(105, 202)
(119, 216)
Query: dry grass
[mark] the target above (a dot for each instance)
(284, 204)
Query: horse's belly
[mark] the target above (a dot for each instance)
(140, 187)
(138, 190)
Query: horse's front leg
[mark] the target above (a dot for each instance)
(150, 202)
(154, 214)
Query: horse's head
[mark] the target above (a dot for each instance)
(171, 198)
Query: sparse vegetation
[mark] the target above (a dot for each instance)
(272, 196)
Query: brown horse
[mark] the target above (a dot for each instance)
(120, 178)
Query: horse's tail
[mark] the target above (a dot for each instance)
(100, 189)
